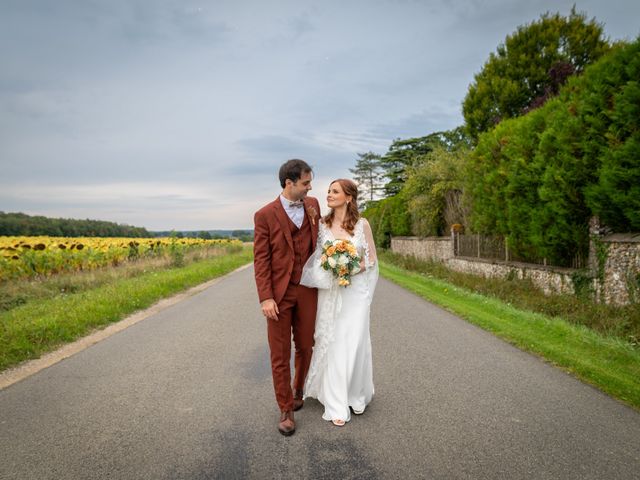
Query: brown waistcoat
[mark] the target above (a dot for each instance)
(301, 247)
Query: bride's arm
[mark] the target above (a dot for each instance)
(368, 236)
(371, 261)
(369, 258)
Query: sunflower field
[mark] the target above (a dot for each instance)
(31, 257)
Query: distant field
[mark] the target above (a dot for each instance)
(42, 313)
(33, 257)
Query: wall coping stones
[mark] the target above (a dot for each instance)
(621, 238)
(431, 239)
(522, 265)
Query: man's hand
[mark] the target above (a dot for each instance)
(270, 309)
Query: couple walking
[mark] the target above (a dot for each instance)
(329, 323)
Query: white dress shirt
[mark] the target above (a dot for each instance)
(296, 214)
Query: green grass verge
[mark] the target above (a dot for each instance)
(608, 363)
(30, 330)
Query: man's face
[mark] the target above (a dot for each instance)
(298, 190)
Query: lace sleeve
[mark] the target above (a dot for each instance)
(313, 275)
(370, 256)
(370, 259)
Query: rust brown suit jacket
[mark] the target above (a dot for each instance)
(273, 255)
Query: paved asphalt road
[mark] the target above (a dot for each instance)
(187, 394)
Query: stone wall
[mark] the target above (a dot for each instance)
(548, 279)
(428, 248)
(614, 265)
(618, 268)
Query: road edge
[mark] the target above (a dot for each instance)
(31, 367)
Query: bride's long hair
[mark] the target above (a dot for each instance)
(352, 215)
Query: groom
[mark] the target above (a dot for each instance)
(286, 231)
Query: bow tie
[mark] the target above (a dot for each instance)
(296, 204)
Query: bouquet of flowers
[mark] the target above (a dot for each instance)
(341, 258)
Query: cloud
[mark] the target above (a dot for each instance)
(277, 149)
(182, 22)
(96, 194)
(420, 124)
(179, 113)
(139, 201)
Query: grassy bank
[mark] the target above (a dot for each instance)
(607, 362)
(610, 320)
(47, 319)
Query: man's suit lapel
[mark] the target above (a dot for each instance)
(311, 214)
(283, 218)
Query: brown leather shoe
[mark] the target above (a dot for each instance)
(287, 425)
(298, 402)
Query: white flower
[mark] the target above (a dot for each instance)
(343, 260)
(332, 262)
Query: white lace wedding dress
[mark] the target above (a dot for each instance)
(341, 374)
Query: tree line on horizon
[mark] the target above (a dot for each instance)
(242, 235)
(551, 137)
(21, 224)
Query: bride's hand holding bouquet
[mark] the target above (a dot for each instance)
(341, 258)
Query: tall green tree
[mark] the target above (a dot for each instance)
(434, 190)
(368, 174)
(530, 66)
(404, 153)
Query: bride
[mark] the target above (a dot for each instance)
(340, 375)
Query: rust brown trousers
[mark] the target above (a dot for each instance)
(280, 250)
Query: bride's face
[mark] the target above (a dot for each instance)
(336, 196)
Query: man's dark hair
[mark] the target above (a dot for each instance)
(293, 170)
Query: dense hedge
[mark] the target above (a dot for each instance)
(388, 217)
(537, 179)
(611, 111)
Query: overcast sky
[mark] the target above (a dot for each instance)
(178, 113)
